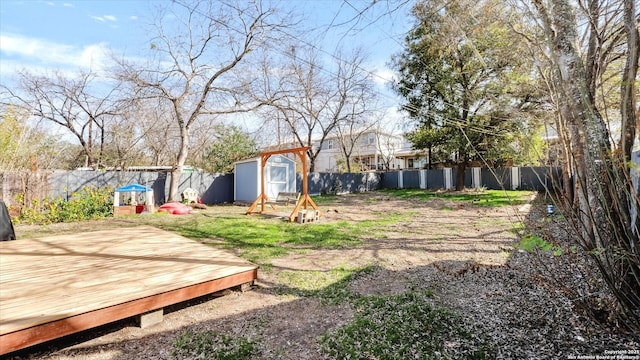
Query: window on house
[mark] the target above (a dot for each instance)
(371, 139)
(410, 163)
(330, 144)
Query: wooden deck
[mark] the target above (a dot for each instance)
(58, 285)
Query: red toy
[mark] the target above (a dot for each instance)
(175, 208)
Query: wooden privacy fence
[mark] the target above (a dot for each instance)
(23, 187)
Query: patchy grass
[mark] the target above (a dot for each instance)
(324, 199)
(385, 326)
(405, 326)
(517, 227)
(532, 243)
(213, 345)
(489, 198)
(260, 239)
(331, 287)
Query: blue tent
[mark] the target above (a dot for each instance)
(133, 188)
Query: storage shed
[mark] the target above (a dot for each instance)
(280, 176)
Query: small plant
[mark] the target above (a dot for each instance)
(530, 242)
(405, 326)
(213, 345)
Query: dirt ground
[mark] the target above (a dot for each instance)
(461, 251)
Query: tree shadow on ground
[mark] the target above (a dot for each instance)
(501, 304)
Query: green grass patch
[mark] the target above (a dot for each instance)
(489, 198)
(530, 243)
(213, 345)
(324, 199)
(405, 326)
(331, 287)
(260, 239)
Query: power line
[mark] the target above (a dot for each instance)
(489, 130)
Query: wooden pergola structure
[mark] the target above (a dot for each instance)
(305, 200)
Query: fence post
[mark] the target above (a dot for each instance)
(400, 180)
(515, 178)
(448, 178)
(423, 179)
(476, 179)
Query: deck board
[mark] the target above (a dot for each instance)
(47, 280)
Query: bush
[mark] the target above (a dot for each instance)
(87, 204)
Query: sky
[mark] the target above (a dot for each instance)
(38, 34)
(41, 35)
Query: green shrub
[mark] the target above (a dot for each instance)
(212, 345)
(88, 203)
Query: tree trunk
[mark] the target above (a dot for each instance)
(461, 168)
(312, 162)
(627, 88)
(176, 172)
(600, 207)
(87, 150)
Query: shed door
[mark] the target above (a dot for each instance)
(277, 179)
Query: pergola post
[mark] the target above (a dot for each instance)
(305, 199)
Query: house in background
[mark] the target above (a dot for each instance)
(373, 150)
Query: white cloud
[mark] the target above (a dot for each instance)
(94, 56)
(104, 18)
(383, 76)
(68, 5)
(33, 52)
(133, 17)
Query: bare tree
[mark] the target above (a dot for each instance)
(74, 103)
(159, 130)
(600, 208)
(313, 99)
(26, 145)
(350, 136)
(127, 133)
(360, 119)
(386, 147)
(195, 73)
